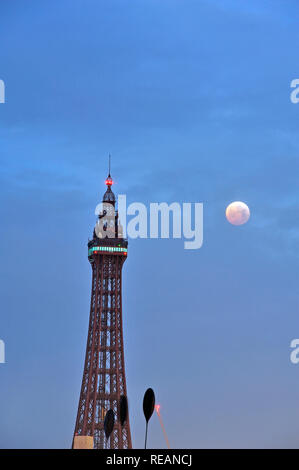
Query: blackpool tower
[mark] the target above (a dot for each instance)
(104, 379)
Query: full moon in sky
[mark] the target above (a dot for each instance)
(237, 213)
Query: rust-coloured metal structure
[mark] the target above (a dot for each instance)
(104, 379)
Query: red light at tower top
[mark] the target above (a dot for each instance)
(109, 181)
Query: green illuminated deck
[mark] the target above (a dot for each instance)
(107, 249)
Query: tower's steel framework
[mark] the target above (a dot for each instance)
(104, 380)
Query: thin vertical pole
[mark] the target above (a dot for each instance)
(145, 434)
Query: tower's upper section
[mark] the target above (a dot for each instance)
(108, 231)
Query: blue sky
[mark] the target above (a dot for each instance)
(192, 99)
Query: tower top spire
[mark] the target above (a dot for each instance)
(109, 180)
(109, 195)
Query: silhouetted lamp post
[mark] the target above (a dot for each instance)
(148, 408)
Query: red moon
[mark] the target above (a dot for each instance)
(237, 213)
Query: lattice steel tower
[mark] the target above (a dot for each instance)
(104, 380)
